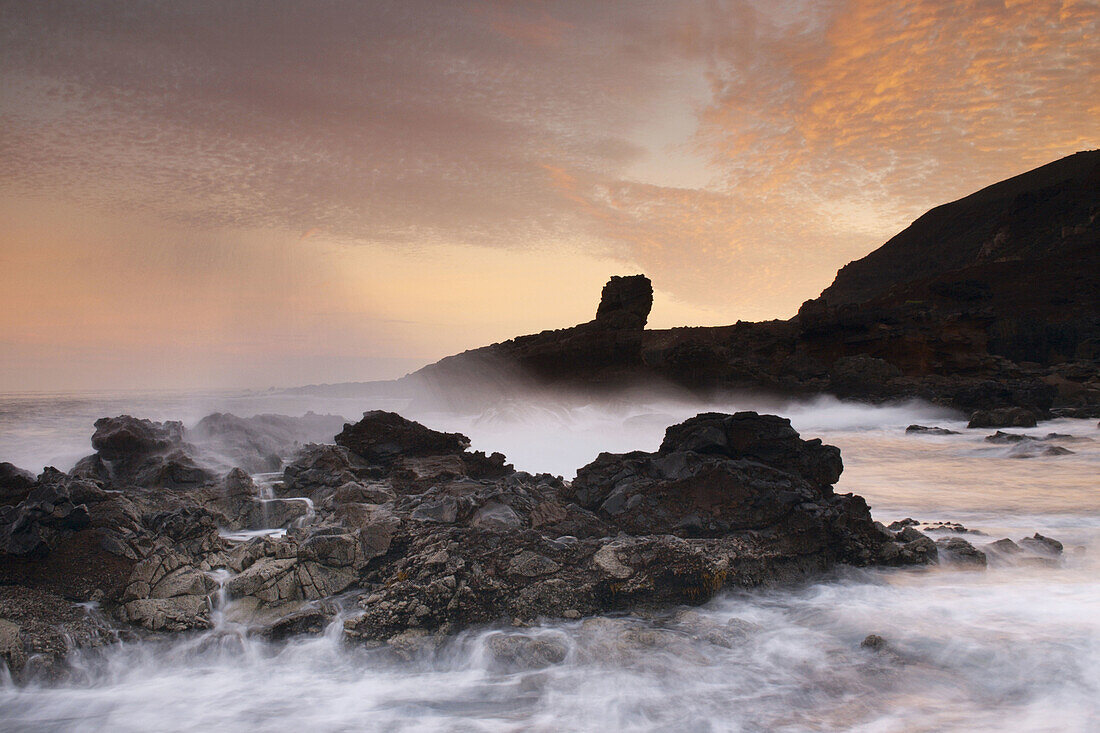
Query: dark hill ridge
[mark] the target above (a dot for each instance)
(990, 301)
(1019, 261)
(1049, 211)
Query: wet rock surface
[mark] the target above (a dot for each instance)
(38, 629)
(15, 484)
(1005, 417)
(260, 443)
(925, 430)
(137, 452)
(403, 532)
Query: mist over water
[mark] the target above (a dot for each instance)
(1014, 647)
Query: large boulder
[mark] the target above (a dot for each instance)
(767, 439)
(137, 452)
(713, 474)
(416, 454)
(625, 302)
(383, 437)
(1003, 417)
(15, 483)
(166, 592)
(318, 471)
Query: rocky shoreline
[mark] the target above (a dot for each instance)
(403, 535)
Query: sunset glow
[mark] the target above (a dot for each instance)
(258, 194)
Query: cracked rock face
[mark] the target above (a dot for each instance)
(135, 452)
(728, 499)
(713, 474)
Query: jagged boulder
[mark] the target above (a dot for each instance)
(15, 483)
(166, 592)
(137, 452)
(382, 437)
(397, 444)
(625, 302)
(925, 430)
(318, 471)
(48, 511)
(713, 474)
(1003, 417)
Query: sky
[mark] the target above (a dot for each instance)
(230, 193)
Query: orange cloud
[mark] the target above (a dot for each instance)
(921, 91)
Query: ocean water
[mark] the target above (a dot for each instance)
(1012, 647)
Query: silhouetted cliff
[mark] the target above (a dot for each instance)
(990, 301)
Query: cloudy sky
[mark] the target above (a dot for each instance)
(264, 193)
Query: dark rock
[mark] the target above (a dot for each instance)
(862, 375)
(318, 471)
(494, 515)
(444, 510)
(235, 497)
(625, 302)
(364, 493)
(514, 652)
(273, 513)
(874, 642)
(1001, 437)
(383, 437)
(15, 484)
(375, 537)
(950, 527)
(336, 550)
(766, 439)
(1005, 417)
(1067, 438)
(1004, 546)
(39, 629)
(412, 457)
(135, 452)
(902, 524)
(530, 564)
(712, 474)
(1042, 545)
(68, 537)
(916, 546)
(1032, 449)
(930, 431)
(601, 353)
(46, 514)
(1092, 411)
(961, 552)
(119, 438)
(308, 620)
